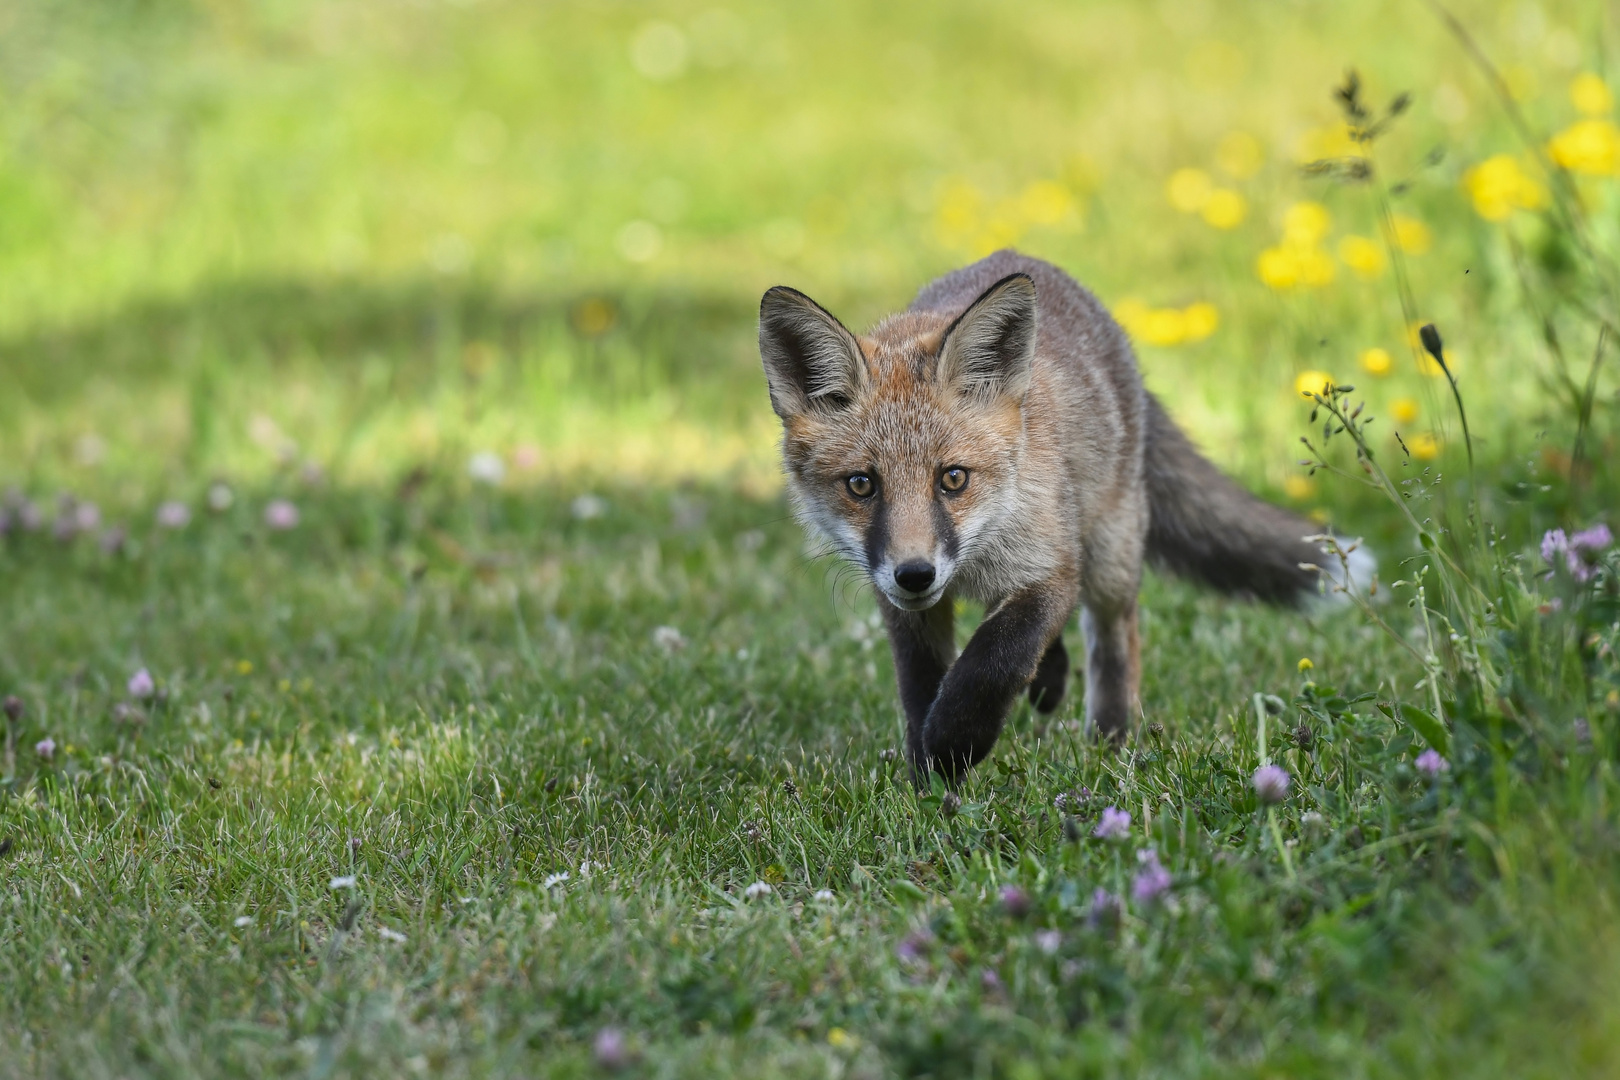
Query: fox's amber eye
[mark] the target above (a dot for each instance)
(861, 486)
(954, 479)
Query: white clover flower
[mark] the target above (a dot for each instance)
(486, 467)
(345, 882)
(173, 515)
(758, 889)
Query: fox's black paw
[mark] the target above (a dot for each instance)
(1051, 678)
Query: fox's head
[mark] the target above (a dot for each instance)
(903, 446)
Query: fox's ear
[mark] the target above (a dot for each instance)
(989, 348)
(811, 361)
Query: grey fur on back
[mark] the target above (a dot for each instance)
(1202, 525)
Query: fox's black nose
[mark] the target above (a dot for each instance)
(914, 576)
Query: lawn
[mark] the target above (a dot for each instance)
(412, 666)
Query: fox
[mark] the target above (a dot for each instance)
(994, 441)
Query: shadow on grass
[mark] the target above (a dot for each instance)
(623, 338)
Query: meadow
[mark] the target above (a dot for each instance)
(411, 665)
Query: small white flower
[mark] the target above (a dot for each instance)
(553, 880)
(824, 896)
(173, 515)
(486, 467)
(390, 935)
(1048, 941)
(220, 497)
(757, 890)
(346, 882)
(243, 921)
(669, 639)
(587, 507)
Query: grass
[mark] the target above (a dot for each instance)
(327, 254)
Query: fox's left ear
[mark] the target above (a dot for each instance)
(988, 350)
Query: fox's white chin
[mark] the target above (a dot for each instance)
(915, 603)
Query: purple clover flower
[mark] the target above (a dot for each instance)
(1578, 552)
(1431, 764)
(1271, 783)
(913, 948)
(1114, 824)
(45, 748)
(1152, 881)
(611, 1050)
(281, 515)
(1105, 909)
(141, 685)
(1014, 901)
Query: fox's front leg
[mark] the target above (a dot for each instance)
(923, 644)
(977, 692)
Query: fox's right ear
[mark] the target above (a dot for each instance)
(811, 361)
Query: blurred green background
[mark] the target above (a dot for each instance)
(284, 242)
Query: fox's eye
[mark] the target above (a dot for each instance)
(954, 479)
(861, 486)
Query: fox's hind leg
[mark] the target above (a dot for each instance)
(1051, 678)
(1113, 669)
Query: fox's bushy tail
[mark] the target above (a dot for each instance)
(1204, 526)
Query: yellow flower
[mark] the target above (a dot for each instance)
(1411, 235)
(1424, 447)
(1164, 326)
(1045, 202)
(1305, 663)
(1296, 486)
(1277, 268)
(1328, 142)
(1590, 94)
(1225, 208)
(1315, 268)
(1130, 313)
(1188, 190)
(1240, 155)
(959, 203)
(244, 667)
(1286, 266)
(1202, 320)
(1498, 187)
(1590, 146)
(1405, 410)
(1312, 382)
(1306, 223)
(1362, 255)
(1167, 326)
(838, 1037)
(1376, 361)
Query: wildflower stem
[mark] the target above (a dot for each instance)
(1260, 717)
(1282, 848)
(1583, 417)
